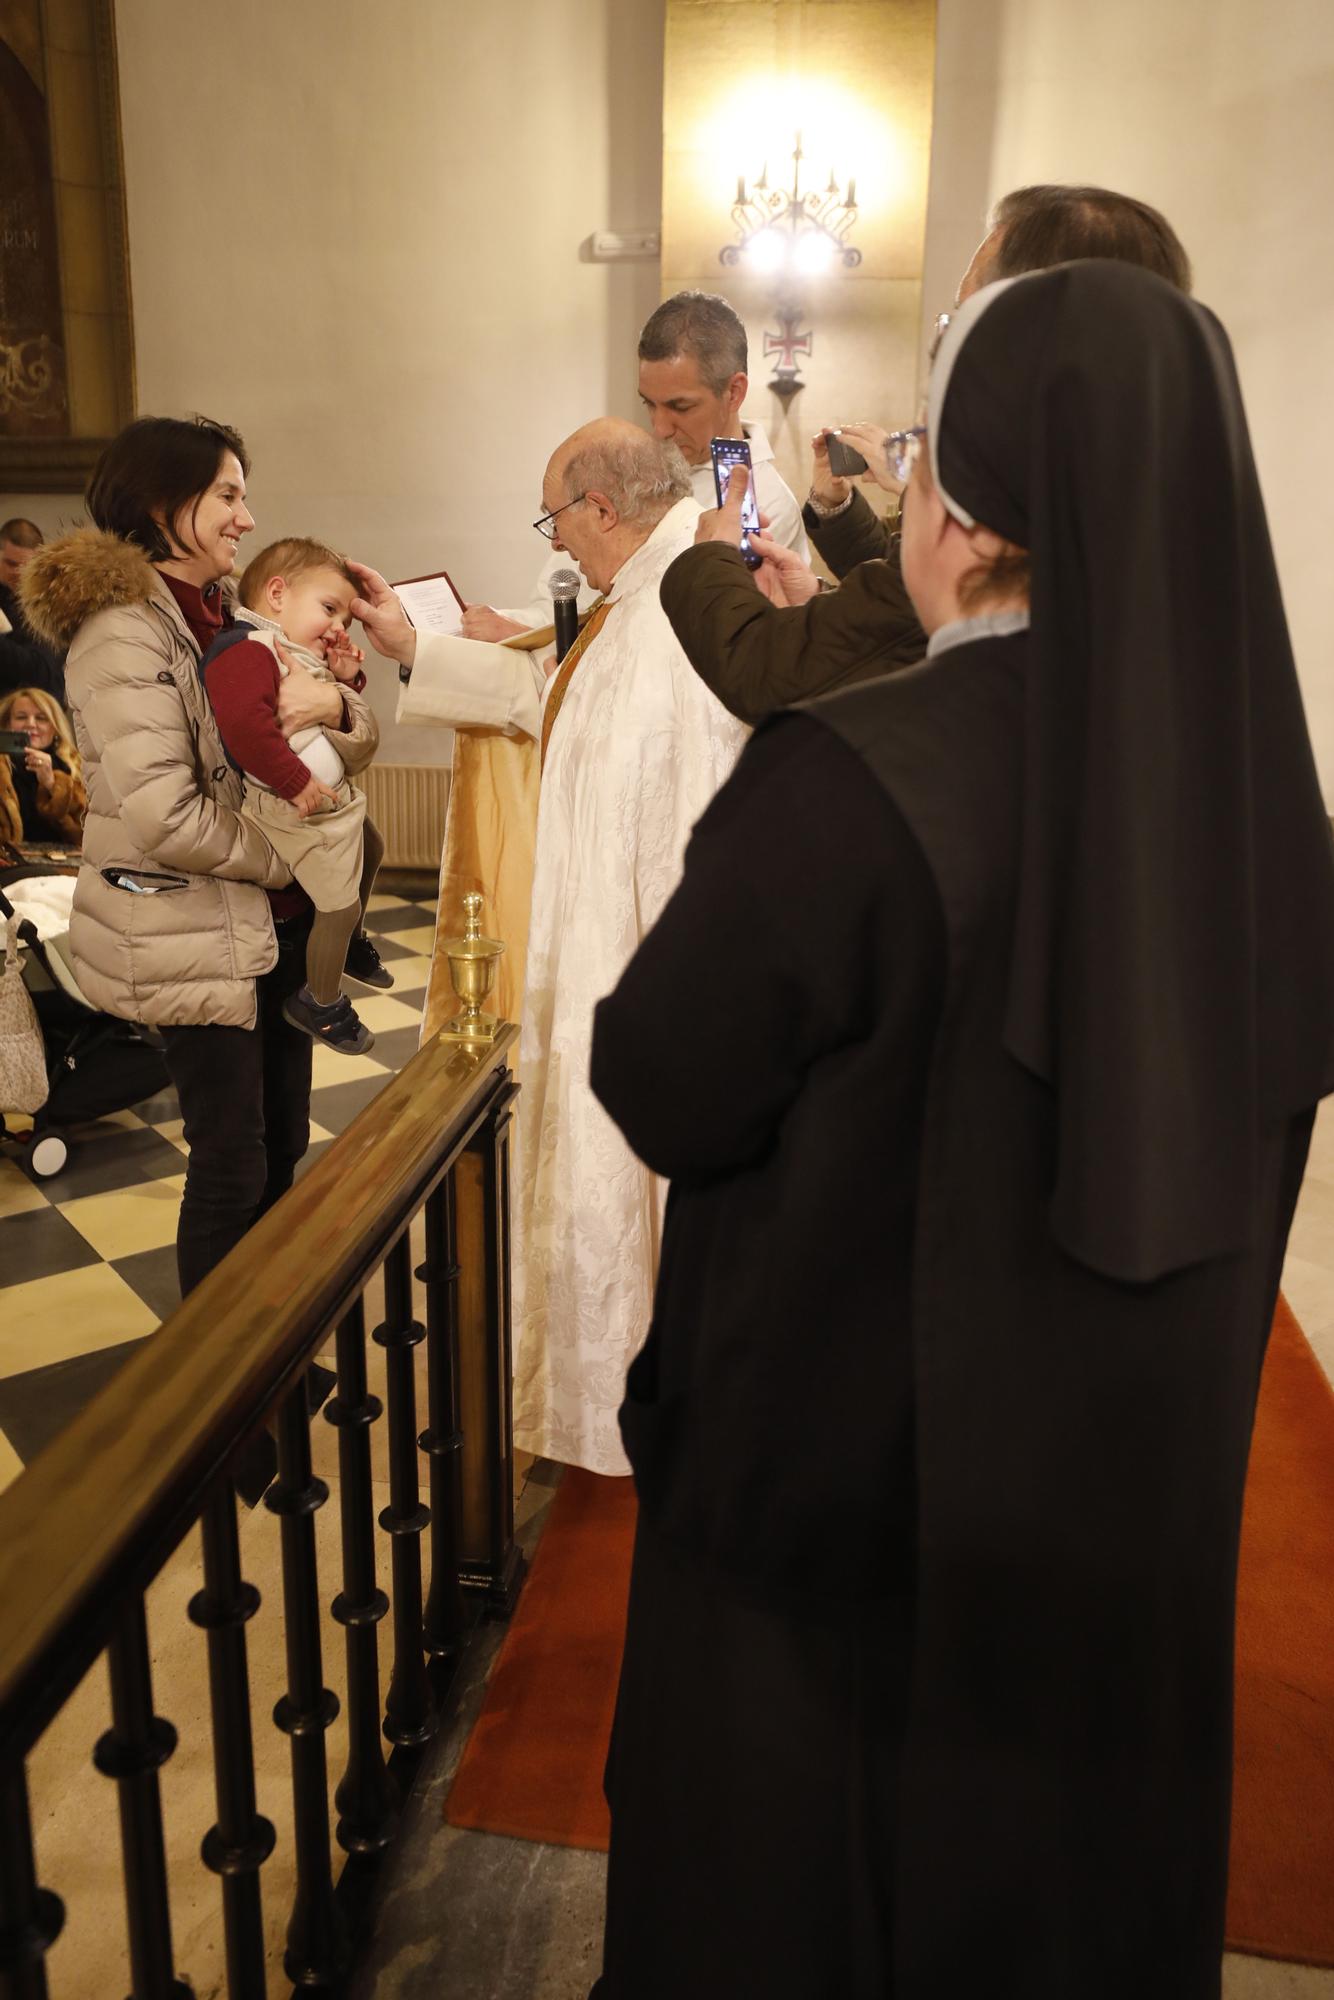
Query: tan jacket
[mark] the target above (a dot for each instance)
(162, 796)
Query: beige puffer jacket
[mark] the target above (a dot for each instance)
(162, 797)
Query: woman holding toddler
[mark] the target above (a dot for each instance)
(185, 918)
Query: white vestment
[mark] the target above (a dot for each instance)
(639, 748)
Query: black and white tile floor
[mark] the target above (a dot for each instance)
(87, 1257)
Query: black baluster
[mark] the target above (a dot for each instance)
(317, 1945)
(241, 1840)
(442, 1441)
(31, 1919)
(132, 1751)
(506, 1561)
(410, 1714)
(367, 1797)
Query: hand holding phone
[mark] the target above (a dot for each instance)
(725, 453)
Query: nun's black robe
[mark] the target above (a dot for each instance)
(928, 1677)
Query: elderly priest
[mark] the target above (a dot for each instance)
(632, 748)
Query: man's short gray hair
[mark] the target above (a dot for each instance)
(642, 478)
(703, 326)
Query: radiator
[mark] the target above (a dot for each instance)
(407, 803)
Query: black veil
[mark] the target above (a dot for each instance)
(1173, 967)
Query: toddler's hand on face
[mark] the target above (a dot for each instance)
(313, 797)
(342, 658)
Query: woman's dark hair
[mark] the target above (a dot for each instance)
(158, 465)
(1042, 226)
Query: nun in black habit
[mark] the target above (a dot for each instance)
(980, 1043)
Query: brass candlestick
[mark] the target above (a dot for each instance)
(472, 969)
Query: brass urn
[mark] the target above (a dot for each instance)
(472, 968)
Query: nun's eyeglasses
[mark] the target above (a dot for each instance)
(901, 449)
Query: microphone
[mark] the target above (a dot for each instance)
(564, 588)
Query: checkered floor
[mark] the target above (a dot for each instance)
(87, 1257)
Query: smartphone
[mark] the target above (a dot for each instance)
(727, 452)
(843, 460)
(13, 742)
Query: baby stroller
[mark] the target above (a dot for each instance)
(95, 1064)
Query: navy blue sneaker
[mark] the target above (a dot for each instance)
(365, 965)
(338, 1025)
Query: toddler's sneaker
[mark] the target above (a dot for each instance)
(365, 965)
(338, 1025)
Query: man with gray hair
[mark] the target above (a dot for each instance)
(630, 748)
(693, 361)
(693, 379)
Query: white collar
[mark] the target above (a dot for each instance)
(663, 545)
(758, 439)
(986, 625)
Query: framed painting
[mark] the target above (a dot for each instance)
(66, 349)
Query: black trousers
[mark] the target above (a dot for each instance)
(245, 1102)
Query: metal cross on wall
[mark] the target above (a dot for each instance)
(785, 380)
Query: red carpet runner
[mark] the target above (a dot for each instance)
(533, 1766)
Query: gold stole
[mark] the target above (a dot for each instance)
(490, 837)
(565, 671)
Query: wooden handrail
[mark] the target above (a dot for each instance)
(100, 1509)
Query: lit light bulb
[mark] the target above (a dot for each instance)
(814, 253)
(766, 250)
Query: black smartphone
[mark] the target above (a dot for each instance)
(843, 460)
(727, 452)
(13, 742)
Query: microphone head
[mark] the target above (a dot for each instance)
(564, 584)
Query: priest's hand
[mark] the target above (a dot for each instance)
(302, 700)
(385, 622)
(783, 577)
(480, 621)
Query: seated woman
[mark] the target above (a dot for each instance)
(42, 797)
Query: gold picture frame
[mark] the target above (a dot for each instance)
(67, 384)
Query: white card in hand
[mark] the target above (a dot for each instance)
(432, 603)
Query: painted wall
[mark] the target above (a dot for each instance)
(855, 77)
(1222, 115)
(373, 262)
(355, 233)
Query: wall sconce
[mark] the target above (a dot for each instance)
(792, 237)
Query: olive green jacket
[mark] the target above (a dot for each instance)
(757, 657)
(855, 536)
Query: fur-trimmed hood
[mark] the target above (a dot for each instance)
(66, 581)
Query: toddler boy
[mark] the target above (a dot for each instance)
(295, 608)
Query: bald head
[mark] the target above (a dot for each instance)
(641, 477)
(612, 483)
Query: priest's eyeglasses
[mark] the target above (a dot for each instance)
(545, 527)
(901, 449)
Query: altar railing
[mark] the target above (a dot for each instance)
(86, 1528)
